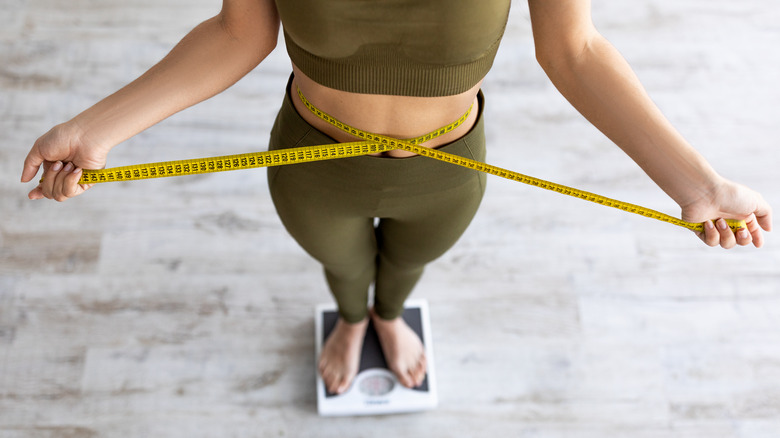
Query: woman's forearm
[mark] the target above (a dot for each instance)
(600, 84)
(205, 62)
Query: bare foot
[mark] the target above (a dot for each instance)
(340, 357)
(403, 350)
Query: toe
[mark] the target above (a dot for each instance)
(408, 378)
(402, 373)
(331, 379)
(343, 385)
(419, 373)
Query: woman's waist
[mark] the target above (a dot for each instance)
(394, 116)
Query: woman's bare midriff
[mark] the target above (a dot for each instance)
(394, 116)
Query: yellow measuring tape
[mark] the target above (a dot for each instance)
(371, 144)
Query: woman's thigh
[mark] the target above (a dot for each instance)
(429, 225)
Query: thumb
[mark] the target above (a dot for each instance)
(31, 164)
(764, 215)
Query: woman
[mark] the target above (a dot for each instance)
(402, 71)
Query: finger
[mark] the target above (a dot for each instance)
(727, 238)
(743, 237)
(36, 193)
(67, 185)
(754, 228)
(50, 178)
(72, 187)
(763, 214)
(58, 188)
(710, 236)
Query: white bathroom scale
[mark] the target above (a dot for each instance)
(376, 390)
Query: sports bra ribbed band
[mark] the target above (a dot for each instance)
(399, 47)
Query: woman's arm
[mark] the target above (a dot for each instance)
(600, 84)
(209, 59)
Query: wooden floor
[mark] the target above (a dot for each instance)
(181, 308)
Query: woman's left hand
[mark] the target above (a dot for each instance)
(729, 200)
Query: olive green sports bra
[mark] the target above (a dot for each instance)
(398, 47)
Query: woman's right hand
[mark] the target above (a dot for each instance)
(63, 152)
(212, 57)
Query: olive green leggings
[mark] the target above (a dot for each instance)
(421, 206)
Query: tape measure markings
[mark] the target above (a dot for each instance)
(231, 162)
(512, 175)
(281, 157)
(371, 144)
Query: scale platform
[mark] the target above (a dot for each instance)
(376, 390)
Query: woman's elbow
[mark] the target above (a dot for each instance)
(561, 54)
(545, 58)
(551, 59)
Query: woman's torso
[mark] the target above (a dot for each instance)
(400, 68)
